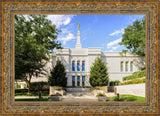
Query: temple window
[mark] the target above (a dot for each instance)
(83, 80)
(73, 65)
(83, 65)
(131, 66)
(78, 65)
(73, 81)
(122, 66)
(126, 66)
(78, 80)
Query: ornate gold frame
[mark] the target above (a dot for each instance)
(9, 9)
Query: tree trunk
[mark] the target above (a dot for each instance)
(29, 87)
(29, 84)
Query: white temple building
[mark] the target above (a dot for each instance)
(78, 61)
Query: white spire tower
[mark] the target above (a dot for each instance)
(78, 44)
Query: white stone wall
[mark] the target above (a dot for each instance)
(133, 89)
(111, 59)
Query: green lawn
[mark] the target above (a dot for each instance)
(45, 93)
(128, 98)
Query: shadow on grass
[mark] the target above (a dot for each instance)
(127, 98)
(45, 93)
(31, 99)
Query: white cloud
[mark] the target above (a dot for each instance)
(67, 37)
(117, 32)
(110, 44)
(115, 47)
(64, 30)
(60, 20)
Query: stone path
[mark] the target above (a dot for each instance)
(72, 96)
(79, 96)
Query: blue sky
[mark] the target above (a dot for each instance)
(104, 31)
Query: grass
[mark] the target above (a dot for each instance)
(128, 98)
(45, 93)
(31, 99)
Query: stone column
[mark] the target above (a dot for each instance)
(75, 65)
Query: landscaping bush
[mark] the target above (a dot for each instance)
(57, 94)
(138, 74)
(42, 86)
(114, 83)
(95, 88)
(119, 99)
(21, 90)
(17, 86)
(100, 94)
(134, 81)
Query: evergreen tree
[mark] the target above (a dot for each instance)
(58, 75)
(98, 73)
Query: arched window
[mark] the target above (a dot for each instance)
(131, 66)
(83, 80)
(73, 65)
(73, 81)
(126, 66)
(78, 65)
(83, 66)
(122, 66)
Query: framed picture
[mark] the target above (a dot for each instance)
(88, 57)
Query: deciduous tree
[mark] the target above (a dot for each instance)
(35, 38)
(134, 37)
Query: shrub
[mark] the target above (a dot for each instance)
(113, 83)
(138, 74)
(17, 86)
(86, 86)
(100, 94)
(134, 81)
(39, 86)
(57, 94)
(119, 99)
(95, 88)
(21, 90)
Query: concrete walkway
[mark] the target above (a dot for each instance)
(79, 96)
(71, 96)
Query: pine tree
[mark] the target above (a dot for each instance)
(58, 75)
(98, 73)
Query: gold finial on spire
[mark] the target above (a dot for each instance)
(78, 26)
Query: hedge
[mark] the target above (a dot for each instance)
(21, 90)
(114, 83)
(134, 81)
(138, 74)
(43, 86)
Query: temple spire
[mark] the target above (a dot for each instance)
(78, 44)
